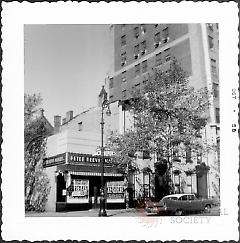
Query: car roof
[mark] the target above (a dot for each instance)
(177, 195)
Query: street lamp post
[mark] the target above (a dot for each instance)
(102, 210)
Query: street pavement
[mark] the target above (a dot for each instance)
(131, 212)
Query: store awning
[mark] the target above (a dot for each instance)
(94, 173)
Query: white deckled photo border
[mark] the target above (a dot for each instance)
(18, 227)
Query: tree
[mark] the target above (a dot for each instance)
(168, 116)
(35, 131)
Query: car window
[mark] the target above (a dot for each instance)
(183, 198)
(190, 197)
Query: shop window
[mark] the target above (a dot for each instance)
(124, 78)
(157, 39)
(136, 51)
(80, 126)
(144, 66)
(136, 32)
(165, 35)
(158, 59)
(137, 70)
(123, 40)
(111, 83)
(215, 90)
(123, 58)
(217, 111)
(144, 47)
(210, 42)
(143, 29)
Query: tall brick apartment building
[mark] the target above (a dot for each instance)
(136, 50)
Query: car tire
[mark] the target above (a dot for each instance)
(207, 208)
(179, 212)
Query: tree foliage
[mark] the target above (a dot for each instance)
(168, 117)
(36, 181)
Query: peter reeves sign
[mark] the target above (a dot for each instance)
(86, 158)
(74, 158)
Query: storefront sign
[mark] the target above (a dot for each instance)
(54, 160)
(86, 158)
(115, 191)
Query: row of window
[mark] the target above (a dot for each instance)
(158, 60)
(141, 48)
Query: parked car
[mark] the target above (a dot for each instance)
(178, 204)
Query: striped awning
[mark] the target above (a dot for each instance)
(82, 173)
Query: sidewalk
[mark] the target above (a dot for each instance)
(88, 213)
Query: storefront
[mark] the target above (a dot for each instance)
(77, 181)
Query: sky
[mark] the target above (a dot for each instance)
(66, 64)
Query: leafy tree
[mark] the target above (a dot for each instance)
(168, 116)
(35, 130)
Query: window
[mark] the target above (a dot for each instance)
(213, 67)
(137, 70)
(123, 58)
(158, 59)
(217, 111)
(144, 66)
(188, 155)
(191, 197)
(210, 26)
(143, 29)
(215, 90)
(136, 51)
(80, 126)
(183, 198)
(123, 40)
(210, 42)
(111, 83)
(136, 32)
(124, 93)
(124, 78)
(199, 158)
(167, 55)
(165, 35)
(167, 58)
(143, 47)
(157, 38)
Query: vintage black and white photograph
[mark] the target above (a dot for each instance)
(120, 121)
(143, 139)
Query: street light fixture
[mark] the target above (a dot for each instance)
(102, 210)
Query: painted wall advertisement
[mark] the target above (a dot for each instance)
(78, 191)
(115, 191)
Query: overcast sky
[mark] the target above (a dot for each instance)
(67, 64)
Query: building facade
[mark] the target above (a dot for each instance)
(139, 48)
(74, 165)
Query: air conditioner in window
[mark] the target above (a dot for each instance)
(165, 40)
(136, 56)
